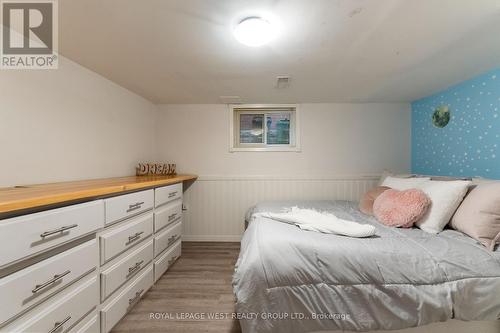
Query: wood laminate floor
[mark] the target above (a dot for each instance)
(198, 284)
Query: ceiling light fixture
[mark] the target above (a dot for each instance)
(255, 31)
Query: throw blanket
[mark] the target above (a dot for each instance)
(313, 220)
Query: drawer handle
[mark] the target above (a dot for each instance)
(134, 268)
(56, 278)
(172, 194)
(59, 324)
(172, 216)
(56, 231)
(171, 261)
(134, 299)
(172, 239)
(135, 206)
(134, 237)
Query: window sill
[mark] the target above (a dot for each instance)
(265, 149)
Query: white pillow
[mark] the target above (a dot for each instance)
(387, 173)
(402, 184)
(446, 196)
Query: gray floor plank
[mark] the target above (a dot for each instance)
(199, 282)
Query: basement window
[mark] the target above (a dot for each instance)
(264, 127)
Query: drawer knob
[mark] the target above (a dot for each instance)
(171, 261)
(134, 268)
(135, 206)
(134, 299)
(59, 324)
(172, 216)
(56, 278)
(172, 239)
(134, 237)
(56, 231)
(172, 194)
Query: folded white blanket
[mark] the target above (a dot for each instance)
(312, 220)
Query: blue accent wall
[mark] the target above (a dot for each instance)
(470, 144)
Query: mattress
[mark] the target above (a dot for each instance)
(289, 280)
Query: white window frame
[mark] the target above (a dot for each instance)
(236, 146)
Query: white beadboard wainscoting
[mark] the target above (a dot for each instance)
(216, 205)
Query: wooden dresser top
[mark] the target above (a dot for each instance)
(32, 197)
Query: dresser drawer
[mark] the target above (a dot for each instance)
(123, 206)
(89, 324)
(167, 237)
(116, 275)
(63, 310)
(123, 237)
(118, 306)
(27, 235)
(167, 193)
(31, 285)
(168, 214)
(163, 262)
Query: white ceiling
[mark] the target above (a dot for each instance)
(183, 51)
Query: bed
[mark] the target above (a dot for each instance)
(289, 280)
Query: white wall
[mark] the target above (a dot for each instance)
(344, 148)
(337, 139)
(69, 124)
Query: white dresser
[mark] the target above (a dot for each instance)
(82, 267)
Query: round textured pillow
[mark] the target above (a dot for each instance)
(367, 200)
(401, 208)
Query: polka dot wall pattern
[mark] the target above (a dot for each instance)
(469, 145)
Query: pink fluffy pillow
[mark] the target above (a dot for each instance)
(401, 208)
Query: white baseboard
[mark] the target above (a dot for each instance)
(211, 238)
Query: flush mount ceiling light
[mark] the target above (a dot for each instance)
(255, 31)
